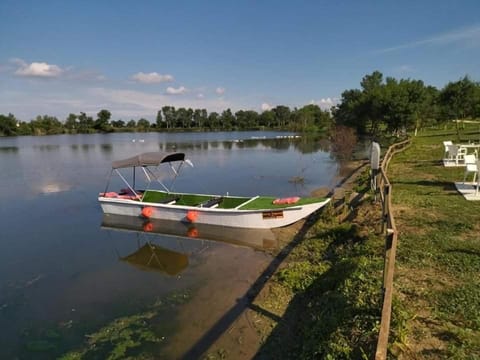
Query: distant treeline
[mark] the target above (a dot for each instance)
(308, 118)
(379, 105)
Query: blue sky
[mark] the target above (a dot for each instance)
(133, 57)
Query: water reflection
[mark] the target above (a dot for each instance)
(165, 246)
(87, 147)
(106, 148)
(192, 235)
(52, 187)
(46, 147)
(152, 257)
(9, 149)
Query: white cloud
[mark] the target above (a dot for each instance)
(469, 36)
(325, 103)
(200, 96)
(151, 78)
(37, 69)
(176, 91)
(220, 90)
(266, 107)
(129, 103)
(45, 70)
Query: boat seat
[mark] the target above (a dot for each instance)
(169, 200)
(211, 202)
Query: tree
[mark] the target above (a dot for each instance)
(227, 120)
(102, 122)
(394, 105)
(183, 118)
(372, 111)
(310, 118)
(46, 125)
(143, 124)
(349, 111)
(169, 116)
(159, 120)
(71, 122)
(85, 123)
(213, 120)
(118, 123)
(200, 117)
(460, 100)
(362, 109)
(246, 119)
(267, 119)
(282, 116)
(24, 128)
(8, 125)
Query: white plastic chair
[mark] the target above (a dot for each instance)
(456, 153)
(445, 145)
(461, 153)
(471, 166)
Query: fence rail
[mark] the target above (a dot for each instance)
(391, 237)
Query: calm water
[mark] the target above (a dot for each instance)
(65, 272)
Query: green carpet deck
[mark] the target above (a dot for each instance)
(262, 202)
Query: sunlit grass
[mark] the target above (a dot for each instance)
(439, 251)
(332, 287)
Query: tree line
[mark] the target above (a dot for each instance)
(308, 118)
(379, 105)
(405, 105)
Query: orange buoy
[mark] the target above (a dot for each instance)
(147, 211)
(192, 232)
(192, 215)
(148, 226)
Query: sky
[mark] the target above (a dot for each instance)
(134, 57)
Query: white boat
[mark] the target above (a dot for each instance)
(257, 212)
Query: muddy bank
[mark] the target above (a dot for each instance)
(264, 304)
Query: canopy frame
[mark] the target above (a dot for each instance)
(145, 161)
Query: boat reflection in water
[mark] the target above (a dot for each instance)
(151, 257)
(165, 246)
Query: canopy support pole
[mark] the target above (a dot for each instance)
(126, 182)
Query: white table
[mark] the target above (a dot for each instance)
(469, 147)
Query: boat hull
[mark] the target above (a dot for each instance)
(253, 219)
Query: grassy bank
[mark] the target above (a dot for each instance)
(437, 312)
(325, 301)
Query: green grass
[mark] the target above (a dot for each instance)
(331, 285)
(438, 254)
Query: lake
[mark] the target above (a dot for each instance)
(66, 272)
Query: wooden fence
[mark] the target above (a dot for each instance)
(390, 230)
